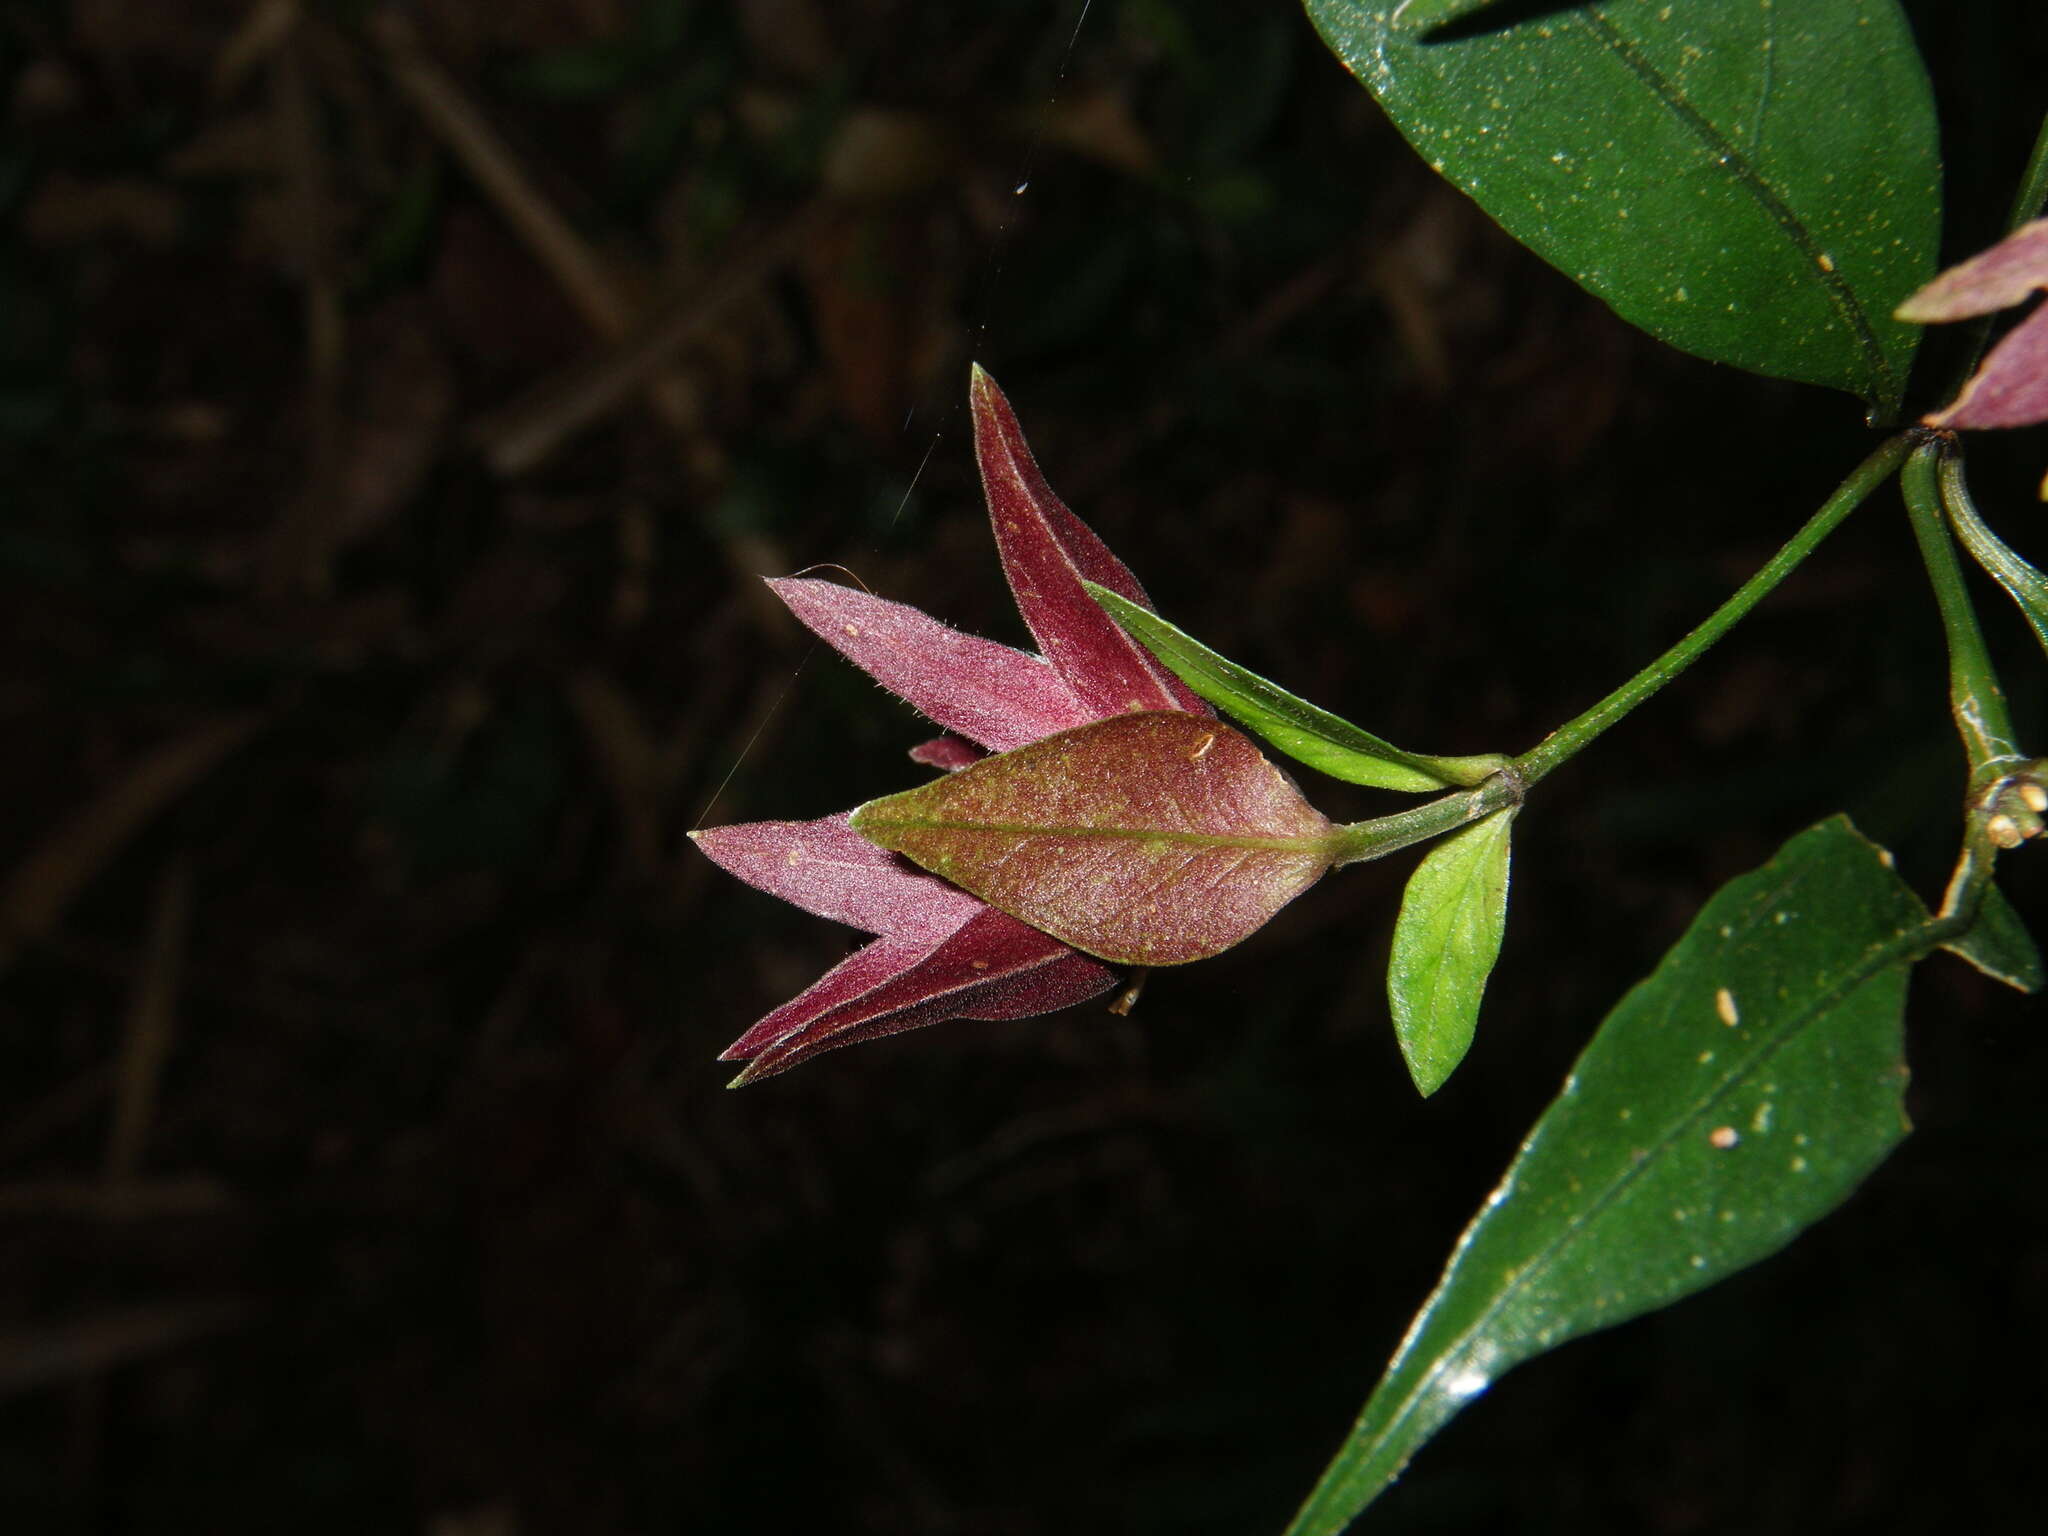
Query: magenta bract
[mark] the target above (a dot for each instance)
(991, 694)
(1991, 280)
(2010, 387)
(1046, 552)
(941, 953)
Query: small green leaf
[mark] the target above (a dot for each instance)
(2029, 588)
(1999, 945)
(1729, 1101)
(1755, 183)
(1445, 943)
(1300, 729)
(1148, 839)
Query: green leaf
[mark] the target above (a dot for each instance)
(1148, 839)
(1300, 729)
(2029, 588)
(1730, 1100)
(1755, 183)
(1417, 17)
(1999, 945)
(1445, 943)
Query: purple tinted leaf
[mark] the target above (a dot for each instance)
(951, 753)
(1991, 280)
(993, 968)
(987, 692)
(1148, 839)
(1047, 551)
(2010, 389)
(827, 868)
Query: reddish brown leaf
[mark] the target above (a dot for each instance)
(1148, 839)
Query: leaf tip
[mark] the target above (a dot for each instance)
(863, 819)
(1426, 1080)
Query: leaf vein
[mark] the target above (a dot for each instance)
(1730, 155)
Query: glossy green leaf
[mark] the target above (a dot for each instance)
(1300, 729)
(1730, 1100)
(1417, 17)
(1445, 943)
(1148, 839)
(1757, 183)
(1999, 945)
(2029, 588)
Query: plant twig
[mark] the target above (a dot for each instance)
(1975, 697)
(524, 433)
(1570, 739)
(592, 287)
(582, 273)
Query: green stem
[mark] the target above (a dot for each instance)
(1975, 698)
(1568, 740)
(1383, 835)
(2033, 191)
(1967, 884)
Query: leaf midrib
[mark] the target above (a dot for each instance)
(1731, 157)
(1320, 843)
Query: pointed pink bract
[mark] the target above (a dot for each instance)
(987, 692)
(853, 978)
(1046, 552)
(993, 968)
(1993, 279)
(2010, 387)
(830, 870)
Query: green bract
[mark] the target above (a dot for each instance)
(1999, 945)
(1304, 731)
(1445, 943)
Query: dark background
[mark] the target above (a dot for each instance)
(364, 1161)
